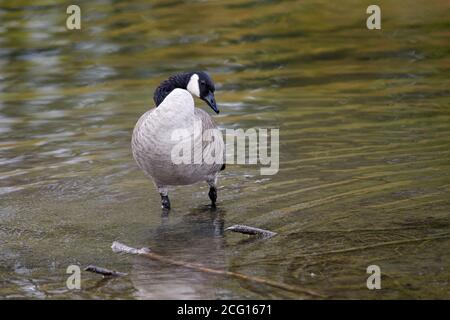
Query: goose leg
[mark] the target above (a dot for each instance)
(165, 202)
(212, 191)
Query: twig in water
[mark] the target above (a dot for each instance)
(145, 252)
(104, 271)
(251, 230)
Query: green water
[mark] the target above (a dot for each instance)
(364, 120)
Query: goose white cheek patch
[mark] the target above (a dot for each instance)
(193, 86)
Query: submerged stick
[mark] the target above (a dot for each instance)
(104, 271)
(145, 252)
(251, 230)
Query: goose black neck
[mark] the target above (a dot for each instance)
(180, 80)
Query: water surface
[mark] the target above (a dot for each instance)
(364, 120)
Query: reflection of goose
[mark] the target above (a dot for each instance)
(153, 136)
(196, 237)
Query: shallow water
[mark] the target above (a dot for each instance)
(364, 148)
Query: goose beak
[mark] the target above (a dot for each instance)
(211, 101)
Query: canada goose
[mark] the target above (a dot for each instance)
(153, 142)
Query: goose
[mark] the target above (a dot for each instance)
(153, 135)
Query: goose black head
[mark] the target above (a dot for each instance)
(202, 86)
(198, 84)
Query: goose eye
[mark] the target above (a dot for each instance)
(202, 83)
